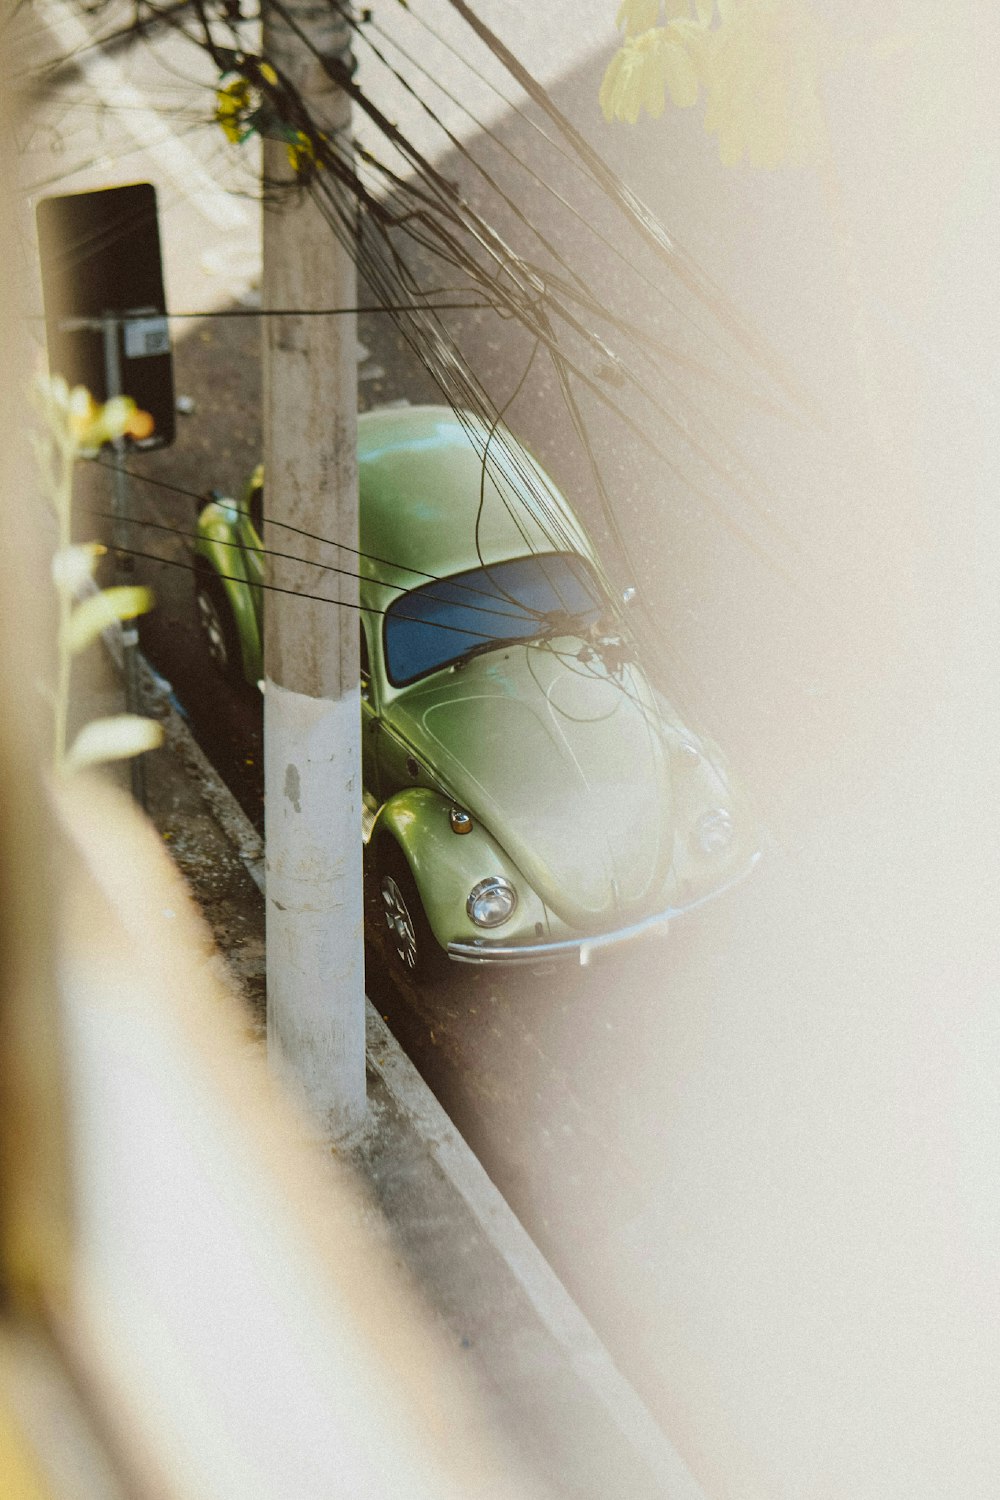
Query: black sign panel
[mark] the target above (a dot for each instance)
(100, 256)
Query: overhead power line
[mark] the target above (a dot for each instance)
(413, 215)
(642, 218)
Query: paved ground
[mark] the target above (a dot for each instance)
(547, 1383)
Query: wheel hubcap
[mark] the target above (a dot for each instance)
(211, 625)
(399, 922)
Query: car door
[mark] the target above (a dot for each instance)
(388, 763)
(398, 767)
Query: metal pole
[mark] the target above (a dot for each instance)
(312, 708)
(111, 325)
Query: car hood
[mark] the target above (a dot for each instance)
(563, 763)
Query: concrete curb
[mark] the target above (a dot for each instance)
(555, 1308)
(565, 1323)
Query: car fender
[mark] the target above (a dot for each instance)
(703, 783)
(238, 569)
(446, 865)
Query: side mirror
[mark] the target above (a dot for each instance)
(256, 509)
(210, 497)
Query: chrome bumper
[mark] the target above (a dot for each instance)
(483, 951)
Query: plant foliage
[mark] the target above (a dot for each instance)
(758, 64)
(74, 424)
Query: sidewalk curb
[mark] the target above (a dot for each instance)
(555, 1308)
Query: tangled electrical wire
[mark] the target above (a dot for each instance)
(405, 221)
(602, 651)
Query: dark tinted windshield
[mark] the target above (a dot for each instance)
(516, 600)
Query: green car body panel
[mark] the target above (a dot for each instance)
(229, 544)
(586, 791)
(446, 866)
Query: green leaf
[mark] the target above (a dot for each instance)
(117, 738)
(652, 83)
(624, 84)
(645, 67)
(680, 73)
(72, 567)
(609, 84)
(637, 15)
(104, 609)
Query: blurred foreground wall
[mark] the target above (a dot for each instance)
(818, 1063)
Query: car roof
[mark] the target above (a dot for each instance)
(421, 477)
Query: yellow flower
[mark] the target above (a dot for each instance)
(235, 102)
(305, 151)
(301, 150)
(140, 424)
(92, 425)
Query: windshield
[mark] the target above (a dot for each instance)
(522, 599)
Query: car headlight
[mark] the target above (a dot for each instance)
(713, 832)
(491, 902)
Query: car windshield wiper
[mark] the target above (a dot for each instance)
(554, 623)
(494, 643)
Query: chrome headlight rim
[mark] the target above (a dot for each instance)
(714, 833)
(494, 888)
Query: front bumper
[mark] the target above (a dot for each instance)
(489, 951)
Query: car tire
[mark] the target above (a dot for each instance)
(414, 951)
(218, 628)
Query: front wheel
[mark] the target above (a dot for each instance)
(413, 948)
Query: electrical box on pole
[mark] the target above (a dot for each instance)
(105, 310)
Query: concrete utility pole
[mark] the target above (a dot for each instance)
(312, 710)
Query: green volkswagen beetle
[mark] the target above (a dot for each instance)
(528, 794)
